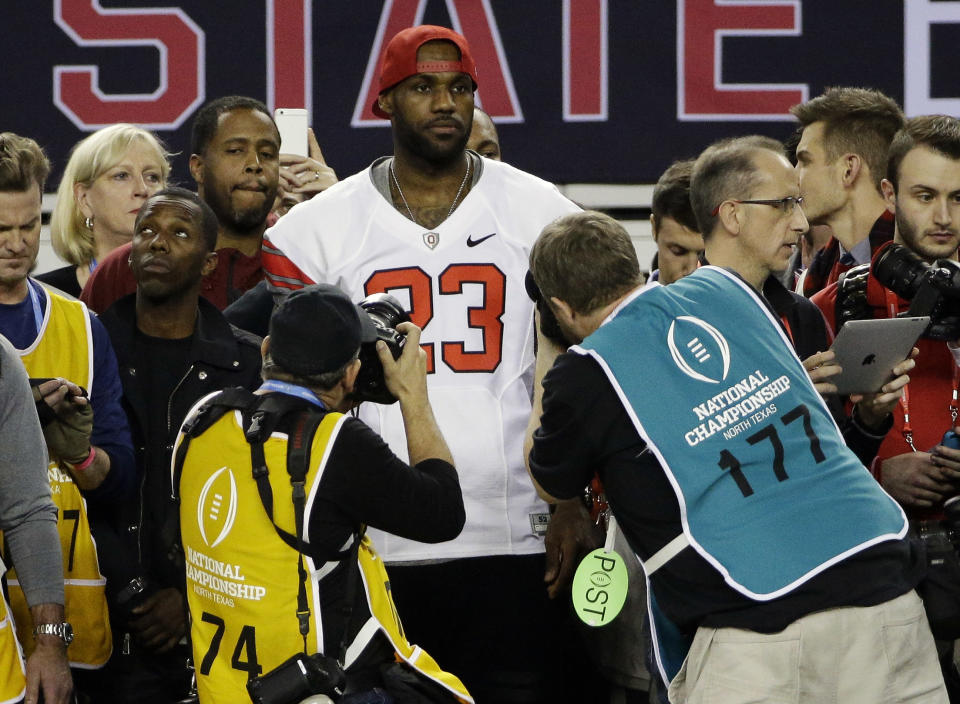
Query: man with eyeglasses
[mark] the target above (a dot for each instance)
(755, 237)
(778, 570)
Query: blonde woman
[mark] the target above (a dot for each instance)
(108, 177)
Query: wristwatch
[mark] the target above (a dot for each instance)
(64, 631)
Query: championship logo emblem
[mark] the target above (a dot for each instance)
(698, 349)
(217, 507)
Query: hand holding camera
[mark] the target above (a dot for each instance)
(66, 416)
(406, 376)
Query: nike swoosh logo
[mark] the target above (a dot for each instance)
(473, 243)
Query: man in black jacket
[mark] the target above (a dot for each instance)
(173, 348)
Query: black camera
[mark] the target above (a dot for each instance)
(297, 678)
(932, 289)
(549, 325)
(386, 313)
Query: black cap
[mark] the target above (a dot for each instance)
(317, 330)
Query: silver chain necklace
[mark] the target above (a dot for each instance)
(456, 198)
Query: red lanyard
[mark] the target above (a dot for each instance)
(905, 399)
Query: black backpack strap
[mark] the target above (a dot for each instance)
(261, 423)
(208, 414)
(300, 440)
(353, 572)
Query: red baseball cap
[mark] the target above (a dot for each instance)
(400, 58)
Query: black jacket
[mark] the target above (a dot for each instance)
(221, 356)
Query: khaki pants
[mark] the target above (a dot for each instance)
(880, 654)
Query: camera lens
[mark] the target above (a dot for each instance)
(386, 312)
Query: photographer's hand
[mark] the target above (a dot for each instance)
(161, 620)
(68, 433)
(406, 379)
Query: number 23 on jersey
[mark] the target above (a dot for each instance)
(487, 318)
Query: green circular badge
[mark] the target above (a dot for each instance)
(600, 587)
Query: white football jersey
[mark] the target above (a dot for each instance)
(463, 284)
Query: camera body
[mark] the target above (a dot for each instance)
(932, 289)
(386, 313)
(297, 678)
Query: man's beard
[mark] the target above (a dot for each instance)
(436, 153)
(914, 241)
(250, 220)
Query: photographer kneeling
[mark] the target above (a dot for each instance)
(276, 489)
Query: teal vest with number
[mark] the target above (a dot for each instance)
(769, 493)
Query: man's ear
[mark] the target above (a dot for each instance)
(265, 346)
(209, 264)
(853, 166)
(385, 101)
(196, 168)
(889, 194)
(350, 377)
(654, 226)
(562, 310)
(730, 217)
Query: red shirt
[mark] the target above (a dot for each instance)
(235, 274)
(930, 388)
(826, 266)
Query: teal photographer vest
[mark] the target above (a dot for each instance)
(769, 493)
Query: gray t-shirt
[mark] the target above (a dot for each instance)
(380, 173)
(28, 517)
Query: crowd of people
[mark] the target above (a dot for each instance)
(285, 436)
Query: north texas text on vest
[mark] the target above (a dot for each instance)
(737, 408)
(218, 581)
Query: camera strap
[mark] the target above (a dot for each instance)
(299, 443)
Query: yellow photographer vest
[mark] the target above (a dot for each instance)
(64, 348)
(13, 679)
(242, 578)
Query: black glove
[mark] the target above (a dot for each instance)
(67, 430)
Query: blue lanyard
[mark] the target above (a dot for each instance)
(93, 265)
(35, 303)
(293, 390)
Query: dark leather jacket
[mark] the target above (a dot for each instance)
(221, 356)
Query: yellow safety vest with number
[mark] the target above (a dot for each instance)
(64, 348)
(13, 679)
(242, 579)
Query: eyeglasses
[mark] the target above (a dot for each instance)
(787, 205)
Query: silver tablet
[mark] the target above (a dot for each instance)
(868, 350)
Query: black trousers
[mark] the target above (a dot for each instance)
(488, 621)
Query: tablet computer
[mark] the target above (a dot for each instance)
(868, 350)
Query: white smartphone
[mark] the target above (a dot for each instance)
(868, 350)
(292, 123)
